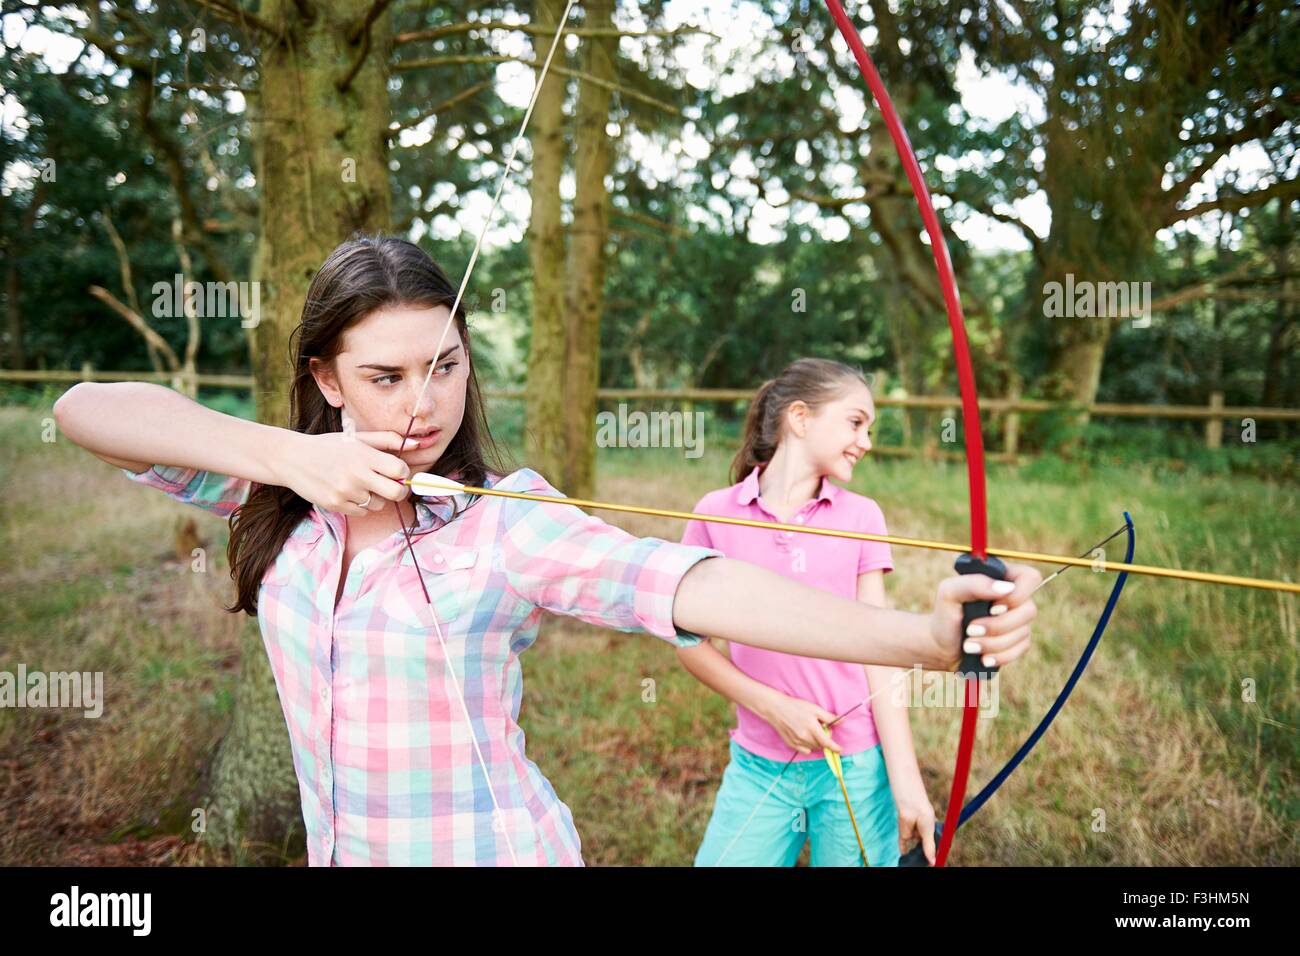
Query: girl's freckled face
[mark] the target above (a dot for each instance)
(382, 373)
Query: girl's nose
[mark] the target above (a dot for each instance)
(419, 402)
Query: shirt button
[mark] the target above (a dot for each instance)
(799, 519)
(437, 559)
(325, 695)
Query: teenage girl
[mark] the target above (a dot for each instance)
(808, 425)
(403, 712)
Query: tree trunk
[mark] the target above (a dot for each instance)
(584, 301)
(322, 173)
(544, 438)
(1076, 364)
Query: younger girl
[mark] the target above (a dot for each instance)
(808, 425)
(394, 626)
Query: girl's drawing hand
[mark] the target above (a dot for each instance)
(340, 470)
(1004, 634)
(915, 816)
(800, 723)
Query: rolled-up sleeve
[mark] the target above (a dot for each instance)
(220, 494)
(562, 559)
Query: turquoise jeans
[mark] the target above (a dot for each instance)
(806, 804)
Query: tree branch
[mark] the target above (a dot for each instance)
(437, 108)
(671, 229)
(137, 322)
(1259, 127)
(1201, 290)
(205, 87)
(123, 260)
(1035, 241)
(191, 315)
(405, 65)
(450, 29)
(236, 14)
(174, 162)
(1287, 189)
(361, 31)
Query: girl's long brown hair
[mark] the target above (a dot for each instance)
(363, 274)
(813, 381)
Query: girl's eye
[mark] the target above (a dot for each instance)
(386, 381)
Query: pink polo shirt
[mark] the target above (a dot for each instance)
(831, 564)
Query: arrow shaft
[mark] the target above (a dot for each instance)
(1033, 557)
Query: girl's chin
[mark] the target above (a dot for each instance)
(424, 458)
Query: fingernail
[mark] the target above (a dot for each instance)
(975, 630)
(1003, 587)
(997, 609)
(971, 647)
(988, 660)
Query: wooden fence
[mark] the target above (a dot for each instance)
(1006, 410)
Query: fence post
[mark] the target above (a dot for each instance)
(87, 371)
(1214, 424)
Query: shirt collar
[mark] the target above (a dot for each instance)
(748, 491)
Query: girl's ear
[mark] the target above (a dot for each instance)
(326, 381)
(797, 416)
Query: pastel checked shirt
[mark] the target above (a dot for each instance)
(385, 762)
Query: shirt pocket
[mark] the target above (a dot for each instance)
(449, 574)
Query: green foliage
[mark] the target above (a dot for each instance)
(706, 284)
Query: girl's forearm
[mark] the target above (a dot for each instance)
(141, 422)
(712, 669)
(738, 601)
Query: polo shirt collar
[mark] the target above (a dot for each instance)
(748, 491)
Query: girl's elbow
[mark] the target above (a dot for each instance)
(67, 407)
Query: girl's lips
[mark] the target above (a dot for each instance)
(427, 440)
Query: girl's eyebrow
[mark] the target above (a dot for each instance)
(397, 368)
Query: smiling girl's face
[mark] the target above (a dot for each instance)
(377, 377)
(839, 433)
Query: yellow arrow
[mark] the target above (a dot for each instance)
(837, 768)
(435, 486)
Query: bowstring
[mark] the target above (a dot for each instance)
(497, 815)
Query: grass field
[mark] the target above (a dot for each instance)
(1183, 731)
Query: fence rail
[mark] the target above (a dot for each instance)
(1008, 409)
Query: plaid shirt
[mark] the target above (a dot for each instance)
(385, 762)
